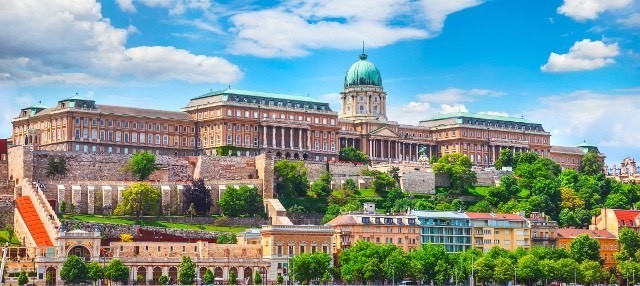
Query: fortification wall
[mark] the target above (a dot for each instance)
(419, 182)
(225, 168)
(337, 169)
(4, 179)
(490, 178)
(7, 206)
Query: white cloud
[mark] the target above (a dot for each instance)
(581, 10)
(92, 52)
(495, 113)
(454, 95)
(295, 27)
(126, 5)
(446, 108)
(177, 7)
(582, 56)
(632, 21)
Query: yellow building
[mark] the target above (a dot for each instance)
(607, 241)
(508, 231)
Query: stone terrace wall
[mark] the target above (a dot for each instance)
(108, 167)
(225, 168)
(7, 206)
(419, 182)
(490, 178)
(337, 169)
(4, 179)
(109, 230)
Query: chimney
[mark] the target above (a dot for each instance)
(370, 208)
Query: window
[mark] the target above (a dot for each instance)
(126, 137)
(229, 139)
(238, 139)
(165, 140)
(302, 249)
(118, 136)
(157, 139)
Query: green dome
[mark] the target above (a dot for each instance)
(362, 72)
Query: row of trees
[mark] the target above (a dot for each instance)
(76, 271)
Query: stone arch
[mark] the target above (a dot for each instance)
(278, 154)
(80, 251)
(305, 156)
(157, 272)
(52, 273)
(202, 271)
(217, 273)
(141, 271)
(173, 275)
(287, 155)
(234, 270)
(296, 156)
(248, 275)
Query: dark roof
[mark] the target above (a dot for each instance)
(567, 150)
(141, 112)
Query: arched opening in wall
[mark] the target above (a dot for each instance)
(173, 275)
(234, 271)
(26, 140)
(296, 156)
(278, 154)
(263, 273)
(203, 270)
(287, 155)
(157, 272)
(141, 276)
(217, 273)
(248, 275)
(80, 251)
(305, 156)
(50, 276)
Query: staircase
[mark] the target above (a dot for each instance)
(31, 219)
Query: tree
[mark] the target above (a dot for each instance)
(139, 199)
(351, 154)
(257, 278)
(227, 238)
(505, 160)
(394, 172)
(322, 186)
(503, 270)
(22, 278)
(208, 277)
(616, 201)
(56, 167)
(364, 261)
(142, 165)
(567, 269)
(163, 280)
(584, 248)
(458, 167)
(570, 199)
(629, 241)
(591, 164)
(116, 271)
(307, 267)
(279, 279)
(483, 269)
(591, 272)
(430, 263)
(529, 269)
(63, 207)
(243, 201)
(187, 271)
(233, 279)
(382, 182)
(94, 271)
(197, 194)
(350, 185)
(291, 178)
(73, 271)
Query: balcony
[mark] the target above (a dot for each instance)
(544, 238)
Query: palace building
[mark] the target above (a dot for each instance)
(248, 123)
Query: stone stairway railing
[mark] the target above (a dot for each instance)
(45, 211)
(277, 212)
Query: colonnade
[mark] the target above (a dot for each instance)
(382, 149)
(286, 137)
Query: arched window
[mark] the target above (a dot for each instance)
(348, 108)
(361, 108)
(375, 109)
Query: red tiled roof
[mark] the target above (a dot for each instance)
(30, 217)
(495, 216)
(575, 232)
(628, 216)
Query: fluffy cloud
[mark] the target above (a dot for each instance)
(581, 10)
(453, 95)
(494, 113)
(71, 43)
(294, 27)
(582, 56)
(601, 118)
(126, 5)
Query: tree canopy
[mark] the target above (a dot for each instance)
(139, 199)
(458, 167)
(506, 159)
(243, 201)
(74, 271)
(307, 267)
(142, 165)
(291, 178)
(584, 248)
(116, 271)
(186, 271)
(57, 167)
(197, 194)
(591, 164)
(351, 154)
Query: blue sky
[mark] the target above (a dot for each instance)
(572, 65)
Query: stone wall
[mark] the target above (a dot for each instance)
(266, 173)
(490, 178)
(419, 182)
(109, 230)
(7, 206)
(4, 179)
(337, 169)
(213, 168)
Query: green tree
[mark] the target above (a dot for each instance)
(208, 277)
(351, 154)
(74, 271)
(139, 199)
(116, 271)
(364, 261)
(591, 272)
(257, 278)
(503, 270)
(142, 165)
(584, 248)
(394, 172)
(529, 269)
(197, 194)
(227, 238)
(350, 185)
(549, 270)
(307, 267)
(163, 280)
(22, 278)
(617, 201)
(63, 207)
(279, 279)
(481, 207)
(57, 167)
(382, 182)
(233, 278)
(484, 269)
(629, 241)
(567, 269)
(333, 211)
(393, 195)
(506, 159)
(322, 186)
(591, 164)
(291, 178)
(430, 263)
(94, 271)
(397, 264)
(186, 271)
(241, 202)
(458, 167)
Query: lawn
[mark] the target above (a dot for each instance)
(367, 193)
(4, 237)
(156, 223)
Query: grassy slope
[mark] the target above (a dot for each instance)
(159, 223)
(4, 238)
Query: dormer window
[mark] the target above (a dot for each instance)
(24, 113)
(62, 105)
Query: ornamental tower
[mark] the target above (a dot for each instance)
(363, 96)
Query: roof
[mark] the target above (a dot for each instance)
(153, 113)
(440, 214)
(258, 94)
(495, 216)
(567, 150)
(77, 97)
(575, 232)
(626, 216)
(585, 144)
(38, 106)
(362, 72)
(478, 116)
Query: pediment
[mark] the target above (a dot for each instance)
(385, 133)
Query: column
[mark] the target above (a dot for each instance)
(273, 138)
(264, 134)
(370, 148)
(300, 139)
(291, 138)
(308, 139)
(282, 144)
(410, 152)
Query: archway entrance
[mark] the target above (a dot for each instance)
(202, 272)
(173, 275)
(217, 273)
(296, 156)
(141, 276)
(278, 154)
(50, 276)
(305, 156)
(287, 155)
(157, 272)
(248, 275)
(80, 251)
